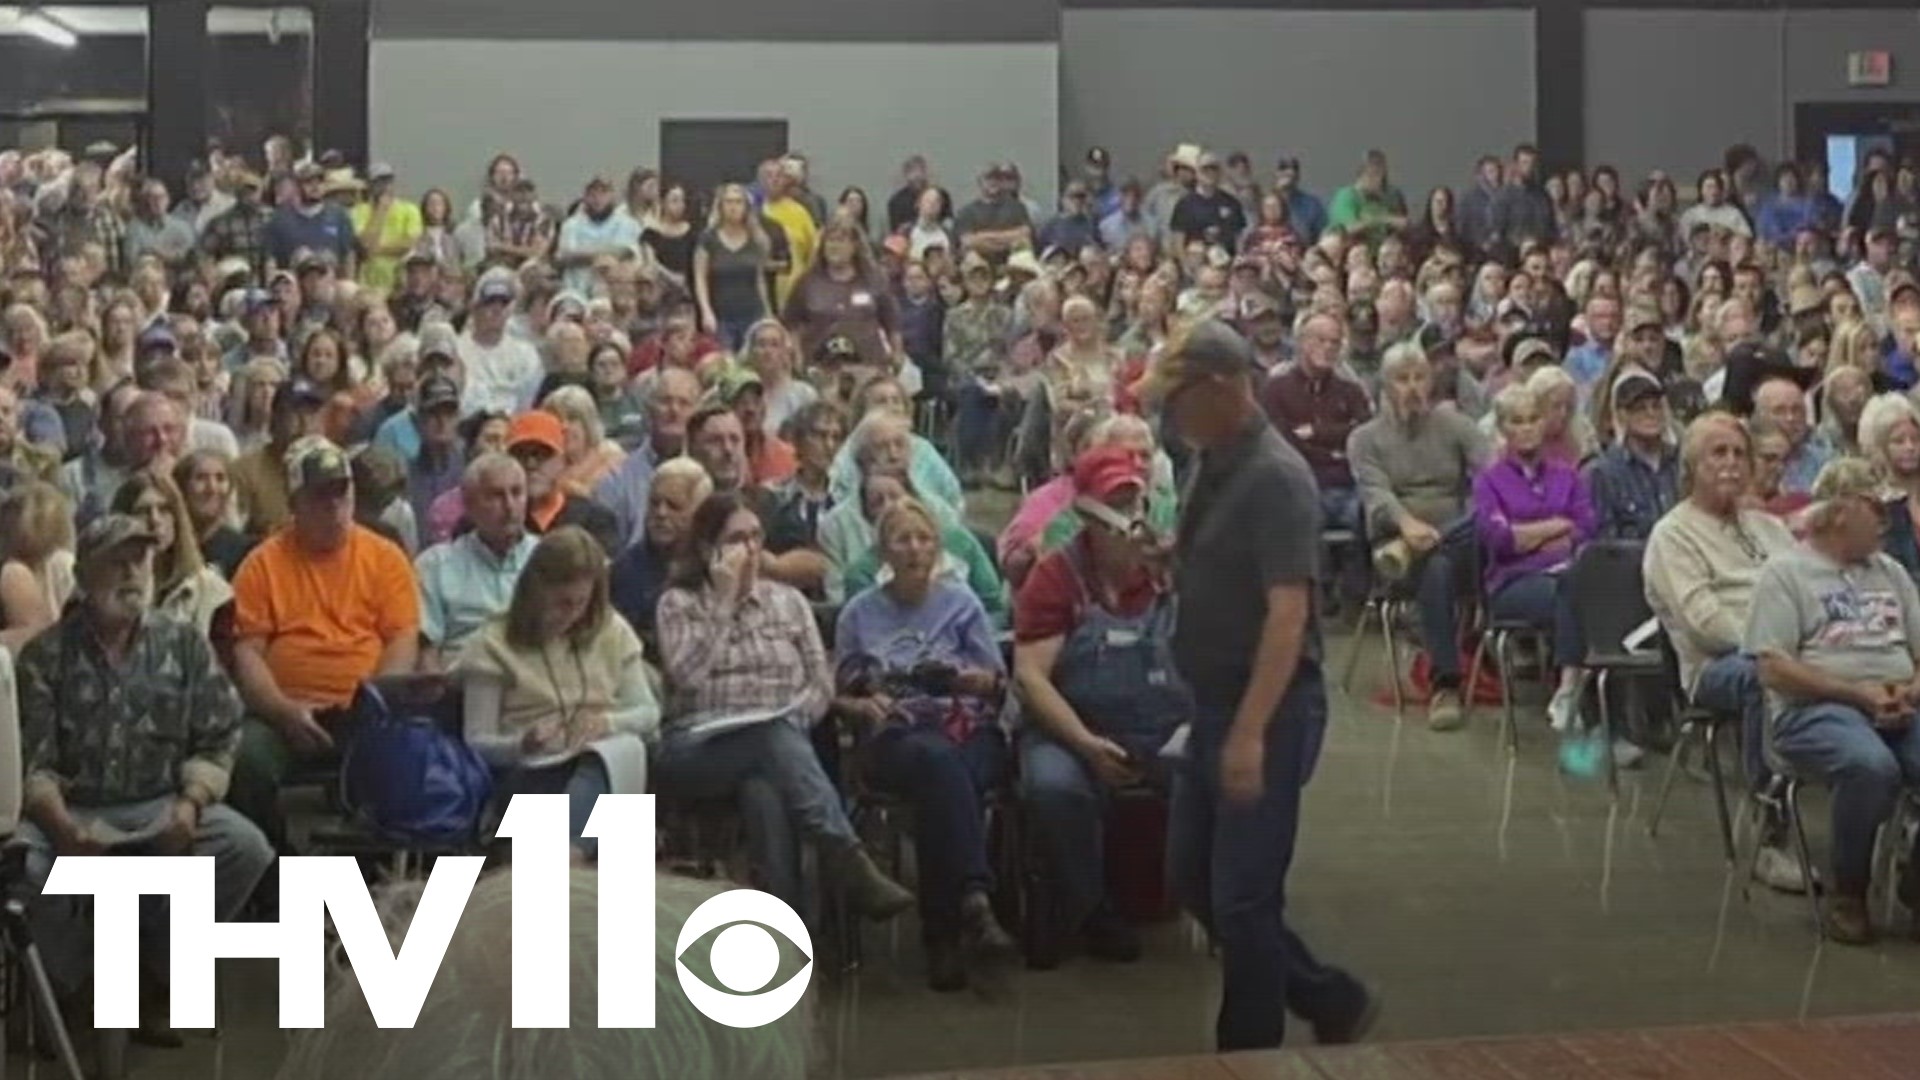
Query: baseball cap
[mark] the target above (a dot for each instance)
(1254, 306)
(310, 259)
(1103, 470)
(299, 394)
(1526, 350)
(309, 170)
(538, 427)
(315, 460)
(247, 178)
(158, 336)
(421, 256)
(438, 339)
(233, 266)
(494, 289)
(379, 170)
(735, 381)
(107, 534)
(1635, 386)
(1097, 155)
(437, 392)
(1209, 160)
(837, 349)
(1209, 348)
(1024, 262)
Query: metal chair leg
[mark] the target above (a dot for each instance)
(1799, 825)
(1473, 679)
(1368, 611)
(1688, 732)
(1503, 662)
(41, 1003)
(1605, 682)
(1387, 624)
(1712, 742)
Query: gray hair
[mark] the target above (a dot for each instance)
(465, 1030)
(489, 464)
(868, 428)
(1400, 356)
(687, 470)
(1878, 421)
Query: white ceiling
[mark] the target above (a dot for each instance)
(131, 20)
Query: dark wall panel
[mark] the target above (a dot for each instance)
(721, 20)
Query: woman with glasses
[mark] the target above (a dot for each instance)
(747, 678)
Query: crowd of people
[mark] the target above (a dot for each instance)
(683, 488)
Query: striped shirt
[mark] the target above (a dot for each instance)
(723, 656)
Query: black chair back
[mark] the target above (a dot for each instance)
(1608, 598)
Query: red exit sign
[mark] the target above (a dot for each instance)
(1873, 67)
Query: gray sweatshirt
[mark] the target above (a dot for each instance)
(1425, 469)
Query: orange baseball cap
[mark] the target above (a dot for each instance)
(539, 427)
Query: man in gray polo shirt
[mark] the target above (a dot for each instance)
(1248, 644)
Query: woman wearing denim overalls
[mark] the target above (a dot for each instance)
(1099, 691)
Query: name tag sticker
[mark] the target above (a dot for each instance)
(1156, 677)
(863, 299)
(1121, 639)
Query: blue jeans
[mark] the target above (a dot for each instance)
(733, 332)
(1228, 863)
(772, 773)
(946, 783)
(1065, 809)
(983, 423)
(582, 780)
(62, 925)
(1866, 768)
(1731, 683)
(1437, 596)
(1540, 600)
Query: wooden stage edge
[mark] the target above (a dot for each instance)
(1884, 1047)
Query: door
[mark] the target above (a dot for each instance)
(1842, 134)
(703, 154)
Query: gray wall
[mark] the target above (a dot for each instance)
(1323, 85)
(438, 109)
(1674, 89)
(720, 20)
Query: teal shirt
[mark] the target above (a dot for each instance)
(463, 584)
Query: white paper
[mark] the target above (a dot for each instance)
(1175, 748)
(1641, 635)
(709, 724)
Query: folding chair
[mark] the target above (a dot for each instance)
(1699, 727)
(1388, 603)
(1500, 634)
(1610, 602)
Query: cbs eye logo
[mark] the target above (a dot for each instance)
(745, 957)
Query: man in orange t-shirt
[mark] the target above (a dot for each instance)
(319, 607)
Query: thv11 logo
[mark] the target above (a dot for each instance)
(396, 984)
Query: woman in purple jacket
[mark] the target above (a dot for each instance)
(1533, 513)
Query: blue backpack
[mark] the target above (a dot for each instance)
(407, 779)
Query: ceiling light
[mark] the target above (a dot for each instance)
(48, 29)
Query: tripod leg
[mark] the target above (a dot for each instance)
(48, 1009)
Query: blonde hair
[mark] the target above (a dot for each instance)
(576, 404)
(686, 470)
(900, 513)
(754, 228)
(1854, 345)
(1516, 399)
(36, 520)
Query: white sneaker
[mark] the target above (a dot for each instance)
(1564, 710)
(1780, 871)
(1626, 755)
